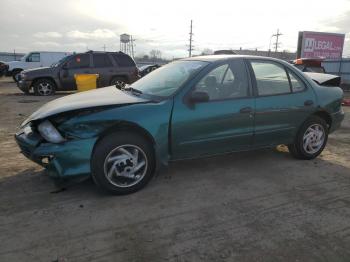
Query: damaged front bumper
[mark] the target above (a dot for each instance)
(70, 158)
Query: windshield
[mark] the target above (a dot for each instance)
(166, 80)
(60, 61)
(143, 67)
(23, 58)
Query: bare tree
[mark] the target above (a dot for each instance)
(155, 54)
(207, 51)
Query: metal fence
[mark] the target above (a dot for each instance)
(7, 57)
(340, 67)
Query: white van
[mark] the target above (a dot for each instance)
(34, 60)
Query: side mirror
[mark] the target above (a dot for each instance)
(199, 97)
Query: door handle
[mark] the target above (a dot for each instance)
(308, 103)
(246, 110)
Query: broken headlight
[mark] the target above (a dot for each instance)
(49, 132)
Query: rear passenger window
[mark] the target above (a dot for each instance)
(79, 61)
(297, 84)
(101, 60)
(271, 78)
(123, 60)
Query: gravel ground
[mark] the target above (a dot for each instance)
(252, 206)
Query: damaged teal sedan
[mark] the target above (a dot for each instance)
(190, 108)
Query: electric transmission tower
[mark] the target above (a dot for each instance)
(190, 49)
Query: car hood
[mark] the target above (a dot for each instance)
(106, 96)
(323, 79)
(41, 70)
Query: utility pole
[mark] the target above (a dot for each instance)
(277, 36)
(104, 48)
(191, 40)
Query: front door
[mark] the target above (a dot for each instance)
(33, 60)
(222, 124)
(78, 64)
(283, 102)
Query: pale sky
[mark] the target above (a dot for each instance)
(79, 25)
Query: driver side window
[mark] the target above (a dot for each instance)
(33, 57)
(79, 61)
(227, 81)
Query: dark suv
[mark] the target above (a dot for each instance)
(114, 68)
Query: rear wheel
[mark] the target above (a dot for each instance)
(122, 163)
(44, 87)
(118, 82)
(311, 139)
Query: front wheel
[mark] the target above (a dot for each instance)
(44, 87)
(122, 163)
(16, 74)
(311, 139)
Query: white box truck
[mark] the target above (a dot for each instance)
(33, 60)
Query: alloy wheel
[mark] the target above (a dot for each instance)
(119, 83)
(313, 138)
(45, 89)
(125, 166)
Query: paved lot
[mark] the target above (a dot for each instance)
(252, 206)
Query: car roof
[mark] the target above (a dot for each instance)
(216, 58)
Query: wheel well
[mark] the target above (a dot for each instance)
(16, 70)
(129, 127)
(41, 78)
(325, 116)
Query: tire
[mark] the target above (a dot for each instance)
(44, 87)
(113, 163)
(118, 81)
(15, 74)
(311, 139)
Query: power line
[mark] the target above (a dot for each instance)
(191, 40)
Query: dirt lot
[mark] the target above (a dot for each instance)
(254, 206)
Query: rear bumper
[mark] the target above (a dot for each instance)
(337, 118)
(71, 158)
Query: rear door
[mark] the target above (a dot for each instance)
(126, 67)
(283, 101)
(77, 64)
(103, 66)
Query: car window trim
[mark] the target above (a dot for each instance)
(228, 62)
(299, 78)
(106, 55)
(90, 61)
(255, 86)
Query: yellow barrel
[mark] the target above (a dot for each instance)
(86, 81)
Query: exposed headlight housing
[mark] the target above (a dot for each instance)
(23, 75)
(49, 132)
